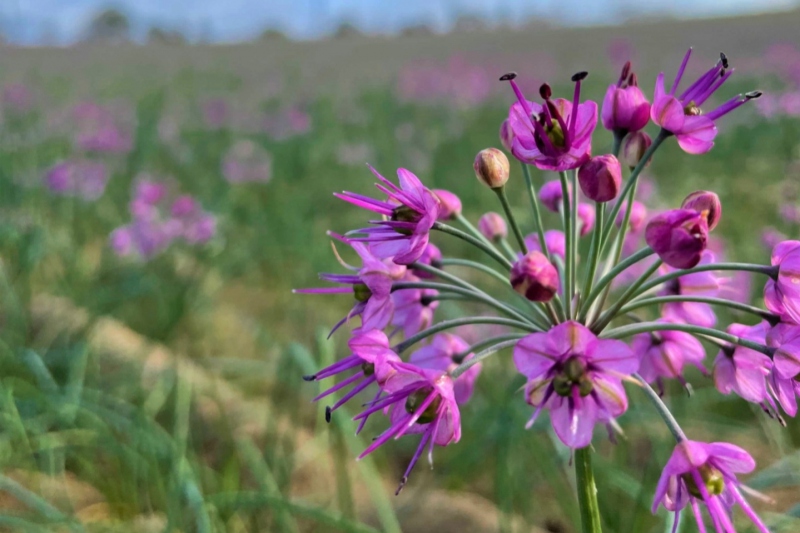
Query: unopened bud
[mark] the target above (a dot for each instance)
(449, 204)
(493, 226)
(638, 215)
(634, 147)
(705, 202)
(679, 237)
(600, 178)
(492, 167)
(552, 195)
(586, 216)
(535, 277)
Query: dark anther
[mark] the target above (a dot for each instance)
(724, 59)
(425, 301)
(436, 263)
(626, 69)
(753, 94)
(545, 91)
(459, 358)
(580, 76)
(310, 378)
(508, 77)
(403, 481)
(328, 414)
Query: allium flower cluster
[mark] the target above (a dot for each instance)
(81, 178)
(579, 339)
(160, 218)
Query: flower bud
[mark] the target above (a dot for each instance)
(705, 201)
(551, 195)
(600, 178)
(638, 214)
(431, 256)
(506, 135)
(535, 277)
(634, 147)
(586, 217)
(449, 204)
(625, 107)
(491, 167)
(555, 240)
(493, 226)
(678, 237)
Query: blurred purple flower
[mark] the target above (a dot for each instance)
(246, 162)
(80, 178)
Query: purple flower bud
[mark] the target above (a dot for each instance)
(493, 226)
(551, 195)
(638, 215)
(506, 135)
(705, 202)
(678, 237)
(556, 242)
(184, 206)
(432, 256)
(634, 147)
(600, 178)
(449, 204)
(625, 107)
(586, 217)
(535, 277)
(491, 167)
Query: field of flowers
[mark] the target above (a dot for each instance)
(156, 212)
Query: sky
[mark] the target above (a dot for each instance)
(63, 21)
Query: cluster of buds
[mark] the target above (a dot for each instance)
(566, 324)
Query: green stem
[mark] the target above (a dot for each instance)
(608, 316)
(649, 327)
(501, 195)
(537, 212)
(619, 136)
(662, 409)
(512, 255)
(454, 261)
(472, 230)
(644, 302)
(608, 278)
(478, 296)
(746, 267)
(567, 216)
(594, 251)
(587, 491)
(466, 365)
(478, 243)
(573, 251)
(457, 322)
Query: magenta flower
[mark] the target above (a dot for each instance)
(625, 107)
(577, 377)
(80, 178)
(555, 240)
(493, 226)
(449, 204)
(695, 284)
(744, 370)
(371, 286)
(141, 238)
(534, 277)
(681, 114)
(782, 296)
(705, 202)
(420, 401)
(370, 355)
(600, 178)
(699, 472)
(663, 354)
(637, 218)
(586, 217)
(432, 256)
(784, 382)
(555, 136)
(412, 209)
(678, 237)
(552, 195)
(196, 225)
(445, 352)
(413, 308)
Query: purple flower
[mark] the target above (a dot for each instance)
(784, 382)
(445, 352)
(782, 296)
(678, 237)
(370, 356)
(449, 204)
(420, 401)
(432, 256)
(695, 284)
(534, 277)
(663, 354)
(99, 130)
(600, 178)
(555, 240)
(638, 215)
(705, 202)
(506, 136)
(625, 107)
(247, 162)
(196, 226)
(577, 377)
(413, 308)
(555, 136)
(141, 238)
(412, 210)
(371, 286)
(586, 216)
(216, 113)
(493, 226)
(80, 178)
(681, 115)
(699, 472)
(552, 195)
(744, 370)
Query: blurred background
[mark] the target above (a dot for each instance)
(166, 171)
